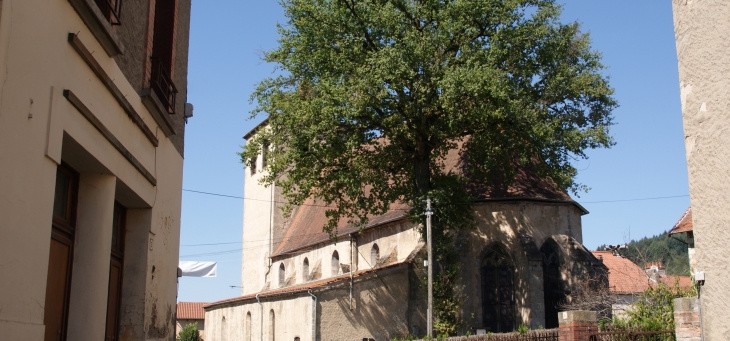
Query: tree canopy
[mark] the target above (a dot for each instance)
(372, 95)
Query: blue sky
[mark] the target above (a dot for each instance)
(636, 39)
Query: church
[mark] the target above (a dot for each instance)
(518, 264)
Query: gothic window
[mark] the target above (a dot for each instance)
(374, 255)
(247, 331)
(224, 330)
(282, 275)
(553, 284)
(498, 301)
(335, 264)
(272, 326)
(253, 165)
(305, 270)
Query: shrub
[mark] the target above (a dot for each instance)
(189, 333)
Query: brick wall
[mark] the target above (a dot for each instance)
(687, 319)
(576, 325)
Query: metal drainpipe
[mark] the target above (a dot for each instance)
(314, 315)
(352, 264)
(261, 330)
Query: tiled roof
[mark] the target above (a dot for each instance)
(305, 228)
(304, 286)
(670, 281)
(684, 224)
(624, 277)
(191, 310)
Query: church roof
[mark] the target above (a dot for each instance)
(305, 228)
(684, 224)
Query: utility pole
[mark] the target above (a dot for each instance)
(429, 314)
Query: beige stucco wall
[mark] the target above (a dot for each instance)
(292, 318)
(258, 219)
(396, 242)
(39, 129)
(701, 29)
(379, 311)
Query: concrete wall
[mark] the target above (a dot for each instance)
(39, 129)
(703, 51)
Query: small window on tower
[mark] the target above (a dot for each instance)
(264, 152)
(253, 165)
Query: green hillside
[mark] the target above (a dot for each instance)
(660, 248)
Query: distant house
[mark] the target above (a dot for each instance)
(684, 226)
(190, 312)
(627, 281)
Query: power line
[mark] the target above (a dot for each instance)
(453, 203)
(637, 199)
(270, 201)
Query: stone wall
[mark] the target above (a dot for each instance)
(703, 51)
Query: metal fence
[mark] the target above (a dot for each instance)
(663, 335)
(535, 335)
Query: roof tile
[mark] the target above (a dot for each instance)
(191, 310)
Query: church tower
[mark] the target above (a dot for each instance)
(259, 211)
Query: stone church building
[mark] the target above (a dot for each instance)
(518, 263)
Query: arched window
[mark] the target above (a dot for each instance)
(247, 332)
(305, 270)
(272, 327)
(224, 330)
(498, 299)
(335, 264)
(374, 255)
(552, 282)
(282, 275)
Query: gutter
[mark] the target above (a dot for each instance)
(314, 315)
(261, 329)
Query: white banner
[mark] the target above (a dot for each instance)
(198, 269)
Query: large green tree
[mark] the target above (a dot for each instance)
(372, 94)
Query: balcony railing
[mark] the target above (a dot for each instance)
(112, 10)
(162, 85)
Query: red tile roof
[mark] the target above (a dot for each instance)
(624, 277)
(683, 281)
(684, 224)
(305, 286)
(191, 310)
